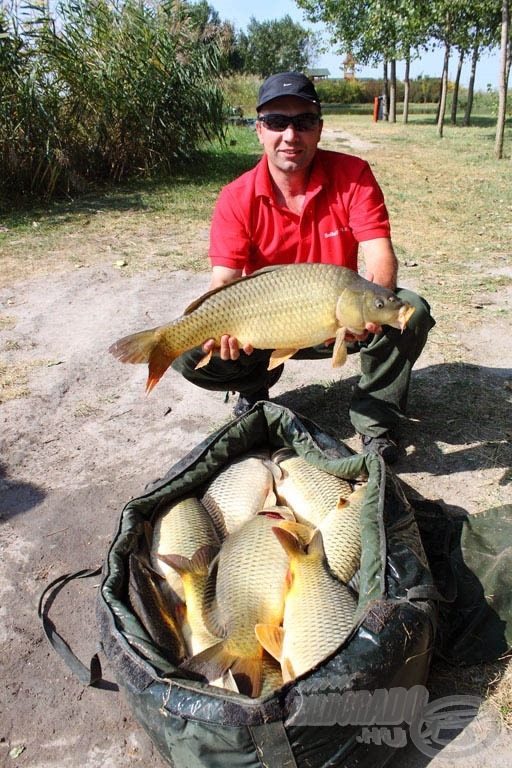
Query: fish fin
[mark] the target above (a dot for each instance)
(300, 530)
(227, 681)
(270, 501)
(342, 502)
(271, 638)
(214, 662)
(288, 670)
(198, 564)
(204, 360)
(211, 663)
(339, 352)
(291, 543)
(248, 675)
(282, 454)
(274, 469)
(316, 544)
(280, 356)
(145, 347)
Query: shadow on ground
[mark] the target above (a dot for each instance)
(459, 419)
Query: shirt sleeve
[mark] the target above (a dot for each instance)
(229, 232)
(368, 215)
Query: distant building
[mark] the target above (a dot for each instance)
(317, 74)
(349, 67)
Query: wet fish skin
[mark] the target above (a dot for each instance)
(341, 534)
(194, 574)
(181, 528)
(241, 489)
(246, 596)
(156, 614)
(282, 308)
(318, 614)
(310, 492)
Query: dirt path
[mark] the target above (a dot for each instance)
(85, 439)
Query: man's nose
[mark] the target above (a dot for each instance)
(290, 132)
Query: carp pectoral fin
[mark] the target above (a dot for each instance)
(339, 352)
(300, 530)
(279, 356)
(271, 638)
(204, 360)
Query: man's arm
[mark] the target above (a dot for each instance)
(380, 261)
(223, 276)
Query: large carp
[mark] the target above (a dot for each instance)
(181, 528)
(319, 610)
(241, 489)
(283, 308)
(310, 492)
(250, 589)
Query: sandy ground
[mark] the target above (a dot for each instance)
(85, 439)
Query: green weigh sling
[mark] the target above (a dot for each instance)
(306, 723)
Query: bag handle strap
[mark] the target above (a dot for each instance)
(87, 675)
(272, 745)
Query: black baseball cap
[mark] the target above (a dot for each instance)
(287, 84)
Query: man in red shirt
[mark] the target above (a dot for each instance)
(304, 204)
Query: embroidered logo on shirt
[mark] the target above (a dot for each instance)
(333, 233)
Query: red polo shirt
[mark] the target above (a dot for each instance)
(344, 205)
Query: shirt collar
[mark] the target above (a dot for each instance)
(317, 179)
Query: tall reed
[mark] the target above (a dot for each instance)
(103, 90)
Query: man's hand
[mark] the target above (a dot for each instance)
(229, 349)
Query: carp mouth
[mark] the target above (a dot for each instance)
(404, 315)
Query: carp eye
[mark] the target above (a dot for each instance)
(379, 303)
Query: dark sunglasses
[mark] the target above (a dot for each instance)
(277, 122)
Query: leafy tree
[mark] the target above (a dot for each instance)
(276, 46)
(374, 32)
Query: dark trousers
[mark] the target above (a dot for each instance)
(380, 397)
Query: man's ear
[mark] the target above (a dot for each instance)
(258, 131)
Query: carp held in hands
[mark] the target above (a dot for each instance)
(283, 308)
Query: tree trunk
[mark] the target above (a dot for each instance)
(471, 86)
(406, 89)
(455, 100)
(444, 90)
(502, 84)
(385, 88)
(392, 92)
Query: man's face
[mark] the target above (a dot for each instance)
(289, 151)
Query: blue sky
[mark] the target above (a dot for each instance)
(239, 14)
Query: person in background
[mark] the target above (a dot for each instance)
(305, 204)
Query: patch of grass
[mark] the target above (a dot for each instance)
(14, 380)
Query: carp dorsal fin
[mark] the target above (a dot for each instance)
(197, 302)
